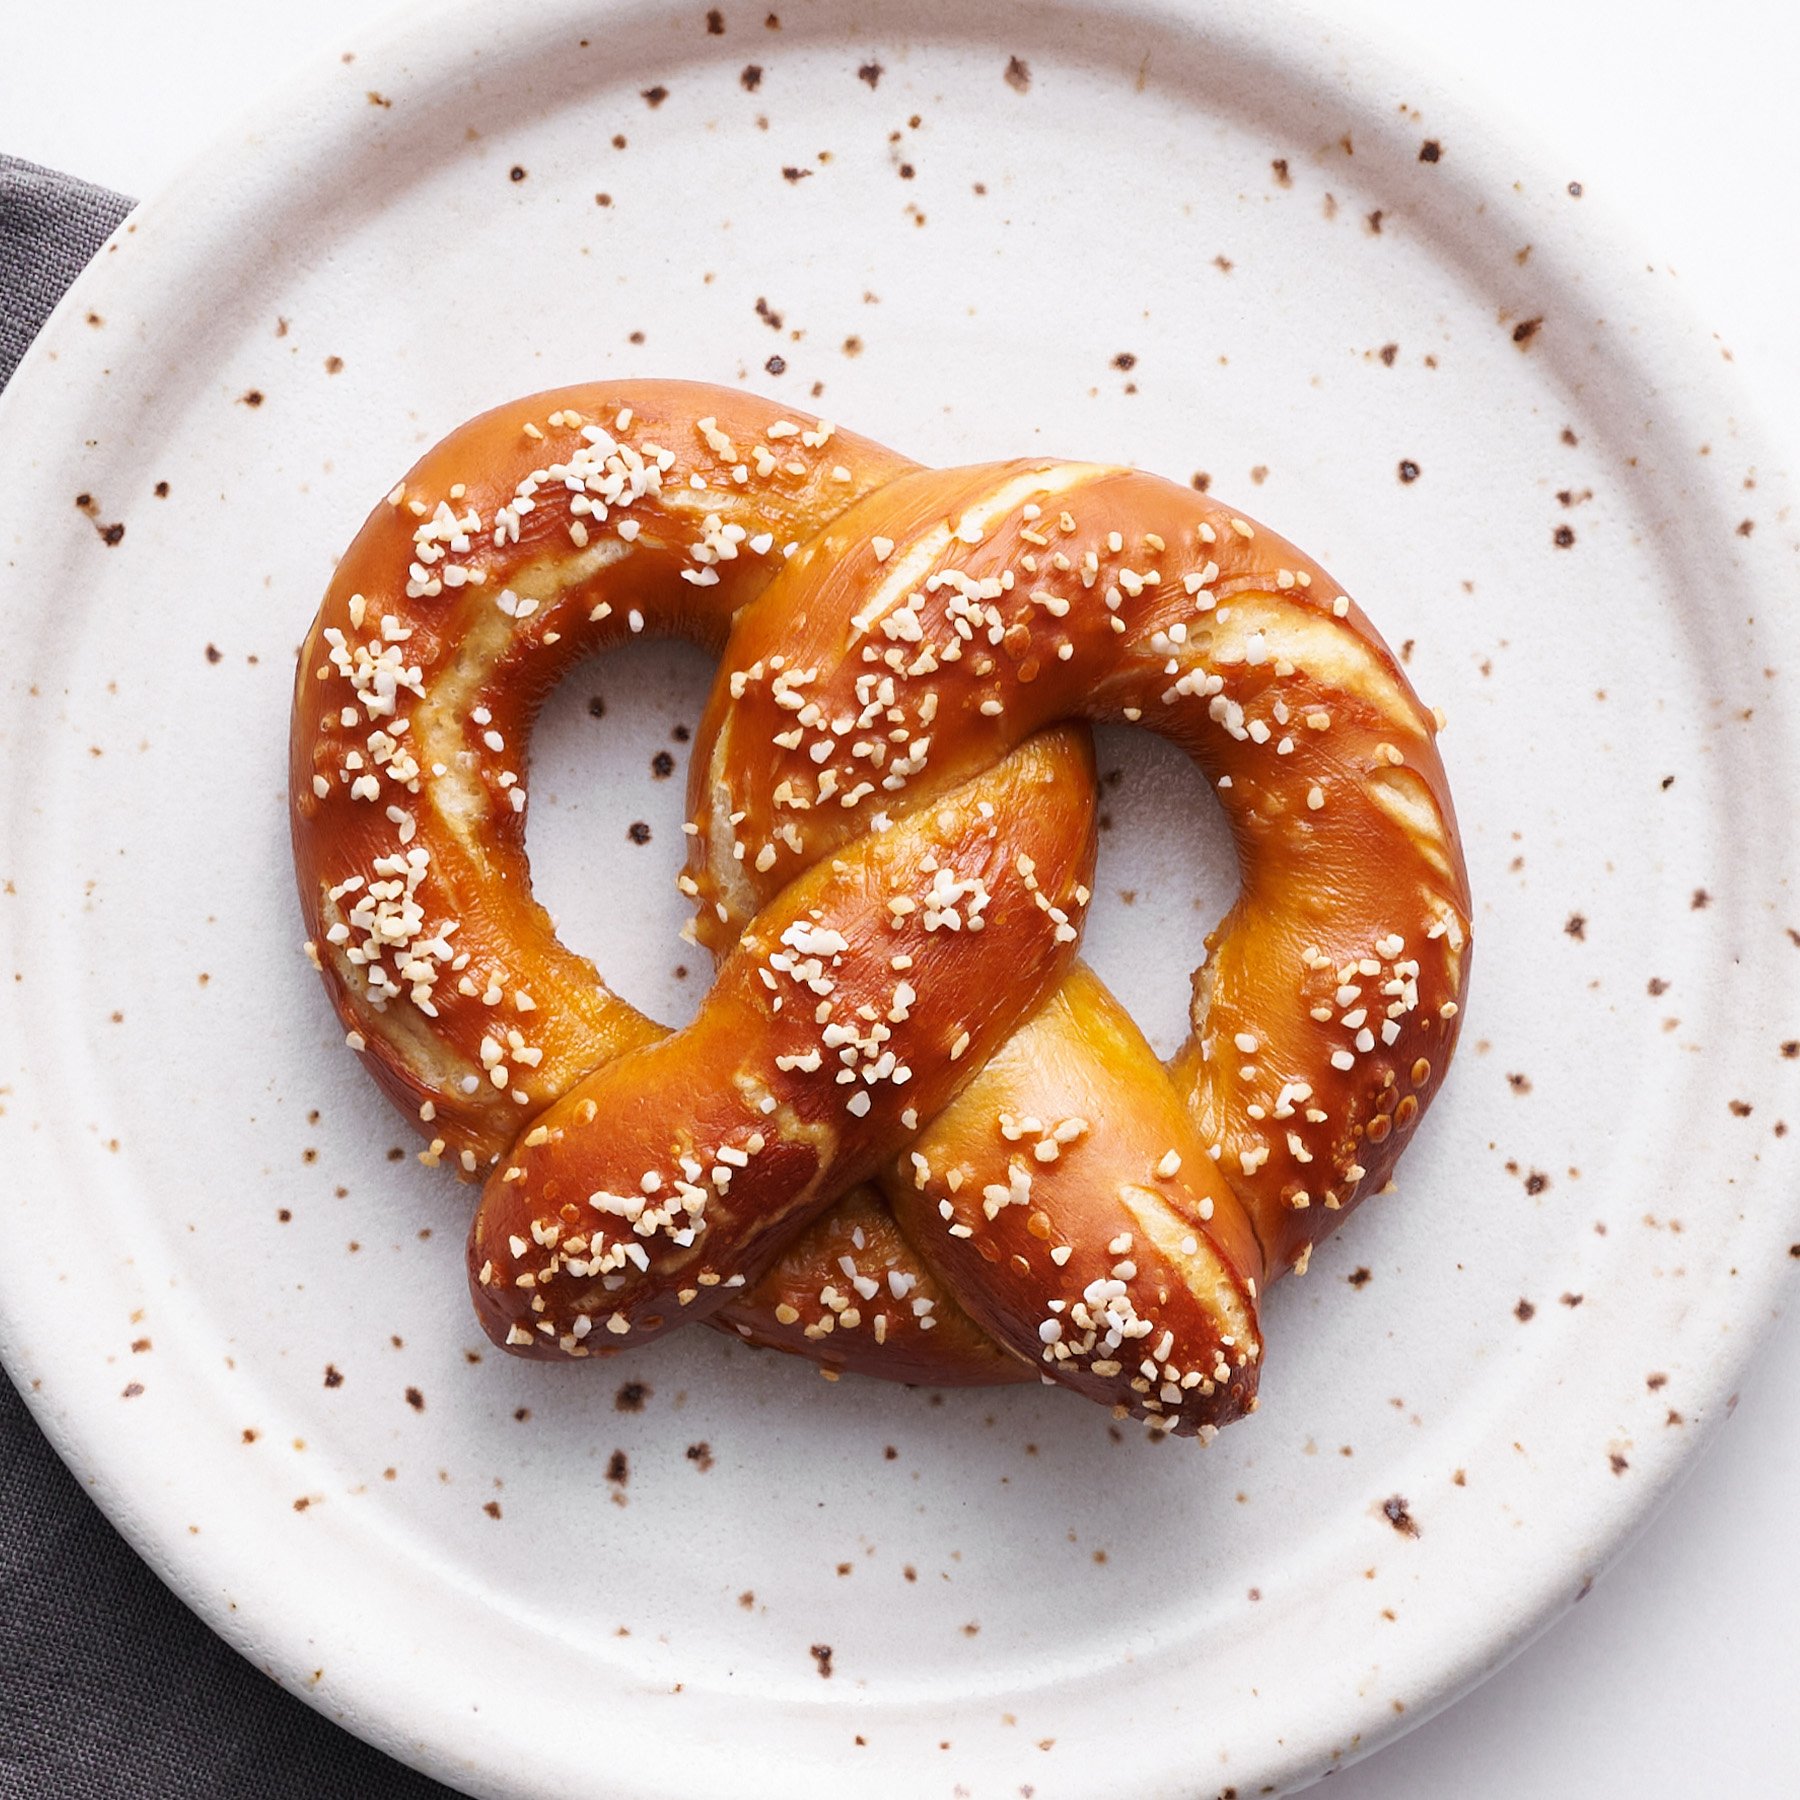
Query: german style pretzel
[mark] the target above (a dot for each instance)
(910, 1134)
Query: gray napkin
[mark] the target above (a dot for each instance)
(110, 1689)
(49, 227)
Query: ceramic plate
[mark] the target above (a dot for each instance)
(1216, 242)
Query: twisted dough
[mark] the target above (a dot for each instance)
(909, 1134)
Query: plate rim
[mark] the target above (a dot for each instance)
(1344, 58)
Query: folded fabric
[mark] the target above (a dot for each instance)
(49, 228)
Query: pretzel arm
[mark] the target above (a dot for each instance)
(385, 704)
(672, 1177)
(1066, 1200)
(484, 576)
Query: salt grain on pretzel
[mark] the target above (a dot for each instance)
(909, 1134)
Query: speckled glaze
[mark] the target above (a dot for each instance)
(1213, 242)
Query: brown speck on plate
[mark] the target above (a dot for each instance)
(638, 832)
(251, 397)
(1409, 470)
(333, 1376)
(871, 72)
(1359, 1278)
(1575, 926)
(618, 1468)
(1394, 1510)
(791, 173)
(750, 78)
(821, 1654)
(776, 365)
(701, 1456)
(1526, 330)
(1018, 74)
(715, 23)
(491, 1508)
(1430, 151)
(415, 1399)
(1524, 1312)
(655, 96)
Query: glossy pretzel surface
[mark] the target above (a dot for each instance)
(910, 1133)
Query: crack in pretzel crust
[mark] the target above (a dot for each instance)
(910, 1134)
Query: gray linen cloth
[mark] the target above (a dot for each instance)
(110, 1689)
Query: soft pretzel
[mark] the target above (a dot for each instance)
(910, 1133)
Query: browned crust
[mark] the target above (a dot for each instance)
(1325, 1013)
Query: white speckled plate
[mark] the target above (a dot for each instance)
(1208, 240)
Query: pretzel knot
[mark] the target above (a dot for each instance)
(909, 1134)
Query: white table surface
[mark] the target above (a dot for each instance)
(1680, 1674)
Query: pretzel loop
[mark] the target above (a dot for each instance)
(891, 845)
